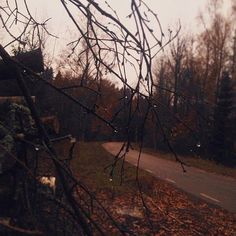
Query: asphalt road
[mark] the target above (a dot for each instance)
(215, 189)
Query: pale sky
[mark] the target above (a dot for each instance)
(168, 11)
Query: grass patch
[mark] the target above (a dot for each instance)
(90, 162)
(194, 161)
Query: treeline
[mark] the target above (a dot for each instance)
(196, 81)
(191, 109)
(192, 126)
(78, 118)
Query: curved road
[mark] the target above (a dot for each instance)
(215, 189)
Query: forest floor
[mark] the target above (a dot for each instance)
(154, 208)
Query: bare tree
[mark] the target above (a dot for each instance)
(126, 49)
(215, 41)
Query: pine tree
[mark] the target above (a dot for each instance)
(222, 142)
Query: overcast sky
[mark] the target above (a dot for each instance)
(168, 11)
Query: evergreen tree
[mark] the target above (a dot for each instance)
(222, 142)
